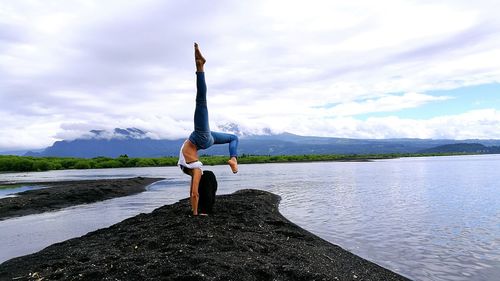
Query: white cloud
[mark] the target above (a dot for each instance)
(476, 124)
(270, 64)
(387, 103)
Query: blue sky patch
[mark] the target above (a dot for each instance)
(462, 100)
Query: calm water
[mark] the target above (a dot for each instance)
(434, 218)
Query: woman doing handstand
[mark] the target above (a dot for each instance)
(202, 137)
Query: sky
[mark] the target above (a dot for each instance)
(355, 69)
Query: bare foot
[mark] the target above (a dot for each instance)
(198, 58)
(233, 163)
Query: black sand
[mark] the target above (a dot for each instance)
(65, 194)
(245, 239)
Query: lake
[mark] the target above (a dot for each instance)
(429, 218)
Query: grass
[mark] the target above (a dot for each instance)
(9, 186)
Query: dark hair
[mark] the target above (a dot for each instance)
(207, 190)
(185, 170)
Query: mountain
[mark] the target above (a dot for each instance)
(463, 148)
(284, 144)
(20, 152)
(136, 143)
(131, 141)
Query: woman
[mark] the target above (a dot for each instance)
(202, 137)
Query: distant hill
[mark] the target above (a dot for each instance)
(135, 143)
(20, 152)
(463, 148)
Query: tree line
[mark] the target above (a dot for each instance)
(9, 163)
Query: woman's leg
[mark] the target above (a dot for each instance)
(201, 110)
(201, 136)
(221, 138)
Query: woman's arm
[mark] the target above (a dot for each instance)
(195, 182)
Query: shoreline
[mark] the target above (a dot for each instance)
(64, 194)
(245, 239)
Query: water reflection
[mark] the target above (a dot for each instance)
(427, 218)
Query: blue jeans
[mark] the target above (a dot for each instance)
(202, 137)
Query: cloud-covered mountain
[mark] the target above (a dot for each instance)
(135, 143)
(131, 141)
(118, 133)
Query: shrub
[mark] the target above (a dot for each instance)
(6, 164)
(42, 165)
(109, 164)
(145, 162)
(22, 164)
(82, 164)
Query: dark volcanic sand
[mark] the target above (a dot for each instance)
(245, 239)
(64, 194)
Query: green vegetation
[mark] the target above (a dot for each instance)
(27, 164)
(9, 186)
